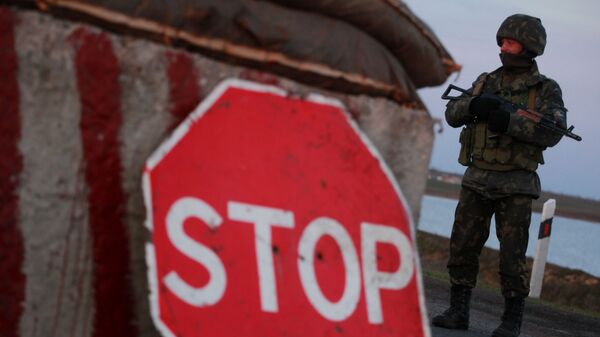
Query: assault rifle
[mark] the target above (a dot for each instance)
(521, 110)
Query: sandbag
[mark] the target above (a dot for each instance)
(393, 24)
(355, 46)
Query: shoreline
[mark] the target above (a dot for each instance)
(563, 211)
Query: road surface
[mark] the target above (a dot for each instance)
(540, 320)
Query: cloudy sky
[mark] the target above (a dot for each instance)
(467, 28)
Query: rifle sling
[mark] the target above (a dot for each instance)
(531, 98)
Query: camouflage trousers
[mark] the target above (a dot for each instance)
(471, 230)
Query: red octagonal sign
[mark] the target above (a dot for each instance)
(273, 215)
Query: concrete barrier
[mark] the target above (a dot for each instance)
(81, 111)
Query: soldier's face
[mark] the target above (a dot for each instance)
(510, 46)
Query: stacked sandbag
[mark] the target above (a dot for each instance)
(393, 24)
(358, 46)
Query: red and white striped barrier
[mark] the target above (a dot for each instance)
(81, 111)
(541, 251)
(77, 126)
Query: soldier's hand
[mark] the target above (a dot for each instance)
(498, 121)
(482, 105)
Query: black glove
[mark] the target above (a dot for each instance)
(482, 105)
(498, 121)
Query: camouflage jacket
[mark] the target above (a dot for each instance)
(501, 165)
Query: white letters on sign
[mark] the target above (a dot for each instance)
(264, 218)
(374, 279)
(211, 293)
(306, 250)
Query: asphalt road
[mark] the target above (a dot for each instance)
(540, 320)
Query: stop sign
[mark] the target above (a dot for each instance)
(272, 215)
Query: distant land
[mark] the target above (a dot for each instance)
(444, 184)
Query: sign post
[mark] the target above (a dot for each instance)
(541, 251)
(274, 216)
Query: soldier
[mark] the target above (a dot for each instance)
(502, 152)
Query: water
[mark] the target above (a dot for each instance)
(573, 243)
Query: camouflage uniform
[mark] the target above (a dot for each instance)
(502, 150)
(501, 178)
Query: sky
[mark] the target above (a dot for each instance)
(467, 28)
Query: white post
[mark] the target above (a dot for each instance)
(541, 252)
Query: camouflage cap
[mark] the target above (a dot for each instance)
(525, 29)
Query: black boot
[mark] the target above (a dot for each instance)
(457, 316)
(512, 318)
